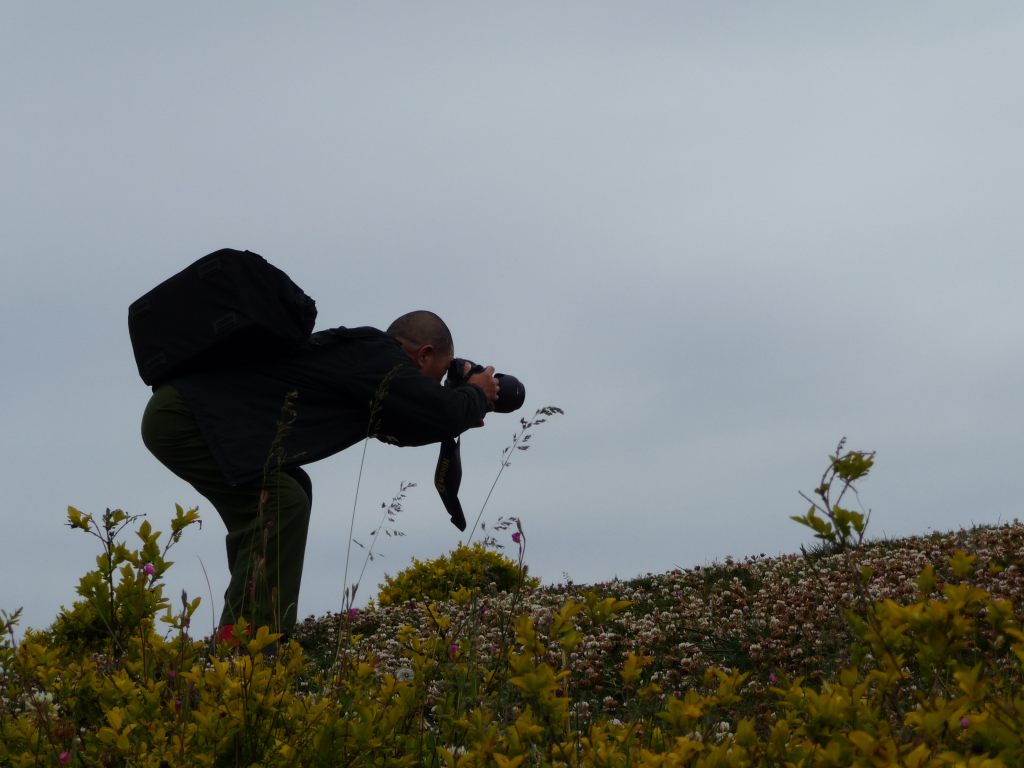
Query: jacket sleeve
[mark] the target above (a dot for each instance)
(416, 410)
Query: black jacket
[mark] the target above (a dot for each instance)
(336, 375)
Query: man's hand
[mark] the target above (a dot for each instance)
(486, 381)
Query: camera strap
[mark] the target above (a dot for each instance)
(448, 478)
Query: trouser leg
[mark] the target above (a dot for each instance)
(267, 523)
(266, 552)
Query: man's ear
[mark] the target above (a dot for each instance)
(425, 357)
(424, 354)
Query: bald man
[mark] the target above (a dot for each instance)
(241, 435)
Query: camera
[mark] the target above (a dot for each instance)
(448, 475)
(511, 392)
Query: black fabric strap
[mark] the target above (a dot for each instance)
(448, 478)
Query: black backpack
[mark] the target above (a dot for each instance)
(228, 307)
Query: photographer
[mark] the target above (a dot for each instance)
(240, 435)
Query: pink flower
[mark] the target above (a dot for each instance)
(353, 612)
(772, 678)
(517, 537)
(65, 757)
(964, 722)
(453, 649)
(149, 569)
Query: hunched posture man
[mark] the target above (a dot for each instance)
(240, 436)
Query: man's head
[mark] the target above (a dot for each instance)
(427, 340)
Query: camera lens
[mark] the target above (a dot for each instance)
(511, 393)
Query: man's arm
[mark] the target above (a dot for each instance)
(417, 410)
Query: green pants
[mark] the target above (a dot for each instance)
(266, 519)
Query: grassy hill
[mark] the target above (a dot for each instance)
(905, 652)
(770, 617)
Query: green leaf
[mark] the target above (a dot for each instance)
(854, 465)
(77, 520)
(962, 563)
(263, 638)
(926, 582)
(182, 520)
(857, 521)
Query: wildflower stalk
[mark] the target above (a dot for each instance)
(8, 621)
(346, 600)
(348, 594)
(520, 442)
(275, 461)
(519, 538)
(388, 515)
(372, 426)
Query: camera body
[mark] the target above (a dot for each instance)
(511, 392)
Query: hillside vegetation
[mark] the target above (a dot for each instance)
(767, 617)
(902, 652)
(862, 653)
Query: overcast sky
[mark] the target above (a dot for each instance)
(720, 236)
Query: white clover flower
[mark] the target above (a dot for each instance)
(404, 674)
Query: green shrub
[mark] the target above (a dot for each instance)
(125, 590)
(474, 567)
